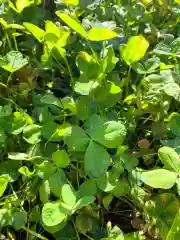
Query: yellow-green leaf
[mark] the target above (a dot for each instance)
(37, 32)
(70, 2)
(4, 179)
(135, 49)
(75, 25)
(100, 34)
(159, 178)
(19, 5)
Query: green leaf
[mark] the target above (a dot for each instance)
(173, 90)
(83, 202)
(87, 188)
(101, 34)
(70, 2)
(5, 217)
(25, 171)
(84, 107)
(174, 232)
(61, 158)
(96, 160)
(78, 140)
(85, 88)
(107, 200)
(110, 134)
(163, 208)
(4, 180)
(13, 61)
(45, 169)
(20, 120)
(129, 161)
(139, 195)
(174, 125)
(135, 49)
(44, 192)
(84, 223)
(178, 185)
(18, 156)
(56, 182)
(107, 182)
(32, 134)
(75, 25)
(169, 158)
(20, 5)
(52, 215)
(68, 195)
(147, 67)
(50, 132)
(114, 233)
(10, 168)
(65, 129)
(109, 61)
(69, 104)
(122, 188)
(159, 178)
(87, 65)
(173, 143)
(163, 49)
(37, 32)
(2, 135)
(50, 99)
(19, 220)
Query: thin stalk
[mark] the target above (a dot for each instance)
(35, 234)
(8, 40)
(88, 237)
(77, 174)
(93, 52)
(15, 43)
(128, 81)
(10, 77)
(70, 73)
(77, 234)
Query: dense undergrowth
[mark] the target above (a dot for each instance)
(89, 119)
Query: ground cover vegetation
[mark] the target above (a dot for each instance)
(89, 119)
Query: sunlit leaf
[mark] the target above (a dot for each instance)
(37, 32)
(69, 2)
(135, 49)
(4, 179)
(75, 25)
(68, 195)
(52, 215)
(61, 158)
(13, 61)
(108, 133)
(101, 34)
(159, 178)
(174, 232)
(169, 158)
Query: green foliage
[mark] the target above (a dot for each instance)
(89, 119)
(135, 49)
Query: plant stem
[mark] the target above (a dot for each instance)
(90, 238)
(9, 78)
(8, 40)
(77, 234)
(15, 43)
(128, 81)
(34, 233)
